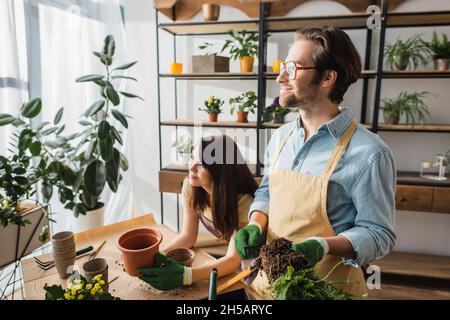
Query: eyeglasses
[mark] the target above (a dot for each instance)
(291, 69)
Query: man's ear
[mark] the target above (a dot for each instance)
(329, 78)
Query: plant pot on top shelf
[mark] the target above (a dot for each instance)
(441, 52)
(409, 105)
(243, 46)
(243, 104)
(211, 12)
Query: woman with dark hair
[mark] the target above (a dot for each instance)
(218, 193)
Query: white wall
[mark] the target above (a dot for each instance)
(417, 232)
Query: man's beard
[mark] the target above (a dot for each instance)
(305, 98)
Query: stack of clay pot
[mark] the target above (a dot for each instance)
(64, 253)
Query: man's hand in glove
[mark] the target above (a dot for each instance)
(167, 275)
(314, 249)
(247, 241)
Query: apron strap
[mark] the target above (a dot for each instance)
(339, 150)
(280, 146)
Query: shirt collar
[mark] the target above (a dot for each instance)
(335, 126)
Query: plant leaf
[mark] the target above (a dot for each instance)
(95, 178)
(6, 119)
(32, 108)
(90, 77)
(130, 95)
(103, 130)
(120, 117)
(112, 95)
(94, 108)
(125, 66)
(58, 116)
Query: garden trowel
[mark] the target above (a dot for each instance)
(247, 275)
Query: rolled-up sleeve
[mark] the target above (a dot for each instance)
(373, 195)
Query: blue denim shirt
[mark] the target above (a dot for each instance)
(361, 191)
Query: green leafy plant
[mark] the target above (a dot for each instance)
(244, 43)
(212, 105)
(79, 289)
(183, 145)
(246, 102)
(410, 105)
(303, 284)
(35, 157)
(440, 48)
(205, 46)
(99, 162)
(401, 55)
(278, 109)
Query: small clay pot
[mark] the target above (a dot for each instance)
(441, 64)
(138, 248)
(182, 255)
(391, 119)
(212, 117)
(95, 267)
(210, 12)
(246, 63)
(242, 117)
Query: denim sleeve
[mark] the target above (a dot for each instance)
(261, 201)
(373, 195)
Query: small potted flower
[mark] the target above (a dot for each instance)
(212, 108)
(183, 148)
(267, 114)
(441, 52)
(244, 47)
(244, 103)
(279, 112)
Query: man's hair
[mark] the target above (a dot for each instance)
(334, 51)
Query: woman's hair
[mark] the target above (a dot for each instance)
(334, 51)
(230, 177)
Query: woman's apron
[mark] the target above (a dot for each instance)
(298, 210)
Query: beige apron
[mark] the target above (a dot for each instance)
(298, 210)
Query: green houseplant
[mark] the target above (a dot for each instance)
(209, 62)
(244, 103)
(242, 46)
(441, 51)
(279, 111)
(410, 105)
(212, 107)
(401, 55)
(183, 149)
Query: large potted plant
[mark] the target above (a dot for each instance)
(441, 52)
(243, 104)
(183, 148)
(243, 46)
(212, 107)
(209, 62)
(99, 161)
(409, 54)
(409, 105)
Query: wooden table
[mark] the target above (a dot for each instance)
(125, 287)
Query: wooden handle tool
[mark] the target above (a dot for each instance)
(241, 275)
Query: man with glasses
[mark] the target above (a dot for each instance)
(329, 182)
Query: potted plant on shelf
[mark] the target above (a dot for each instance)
(244, 103)
(410, 105)
(279, 112)
(441, 52)
(243, 46)
(212, 108)
(209, 62)
(401, 55)
(183, 149)
(267, 113)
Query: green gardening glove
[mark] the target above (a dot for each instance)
(247, 241)
(314, 249)
(167, 274)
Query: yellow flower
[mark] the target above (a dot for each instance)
(88, 286)
(101, 282)
(97, 286)
(67, 296)
(94, 291)
(97, 277)
(80, 297)
(73, 291)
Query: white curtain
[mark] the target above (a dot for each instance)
(13, 63)
(69, 32)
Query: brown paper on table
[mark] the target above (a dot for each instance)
(125, 287)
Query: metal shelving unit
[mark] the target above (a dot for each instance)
(267, 24)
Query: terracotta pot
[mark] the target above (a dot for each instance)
(182, 255)
(212, 117)
(441, 64)
(138, 247)
(246, 64)
(95, 267)
(242, 117)
(391, 119)
(210, 12)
